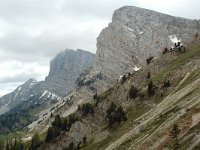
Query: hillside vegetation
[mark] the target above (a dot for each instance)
(161, 104)
(155, 108)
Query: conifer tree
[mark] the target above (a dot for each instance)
(174, 134)
(35, 142)
(151, 90)
(84, 140)
(133, 92)
(1, 145)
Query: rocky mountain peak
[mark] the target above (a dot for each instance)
(66, 67)
(31, 81)
(136, 34)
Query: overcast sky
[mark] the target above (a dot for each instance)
(32, 32)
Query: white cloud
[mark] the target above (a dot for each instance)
(16, 71)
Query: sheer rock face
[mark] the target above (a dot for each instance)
(65, 68)
(136, 34)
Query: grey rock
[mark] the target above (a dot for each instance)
(65, 68)
(136, 34)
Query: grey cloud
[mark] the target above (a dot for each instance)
(47, 45)
(20, 9)
(58, 21)
(91, 8)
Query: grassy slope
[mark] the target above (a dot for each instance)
(193, 52)
(135, 110)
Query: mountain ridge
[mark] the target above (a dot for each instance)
(136, 34)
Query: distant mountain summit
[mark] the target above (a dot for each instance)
(21, 93)
(65, 68)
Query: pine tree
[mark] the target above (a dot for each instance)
(65, 124)
(7, 145)
(84, 140)
(174, 134)
(111, 109)
(35, 142)
(148, 75)
(133, 92)
(1, 145)
(115, 114)
(71, 146)
(166, 83)
(57, 123)
(79, 145)
(49, 134)
(95, 96)
(17, 144)
(121, 114)
(111, 119)
(151, 90)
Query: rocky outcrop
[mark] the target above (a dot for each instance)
(136, 34)
(65, 68)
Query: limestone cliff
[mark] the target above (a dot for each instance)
(136, 34)
(65, 68)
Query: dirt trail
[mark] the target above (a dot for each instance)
(155, 112)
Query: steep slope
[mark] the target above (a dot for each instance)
(136, 34)
(150, 118)
(64, 70)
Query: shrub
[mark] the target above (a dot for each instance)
(35, 142)
(149, 60)
(95, 96)
(148, 75)
(166, 83)
(165, 51)
(84, 140)
(86, 109)
(151, 88)
(174, 133)
(133, 92)
(115, 114)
